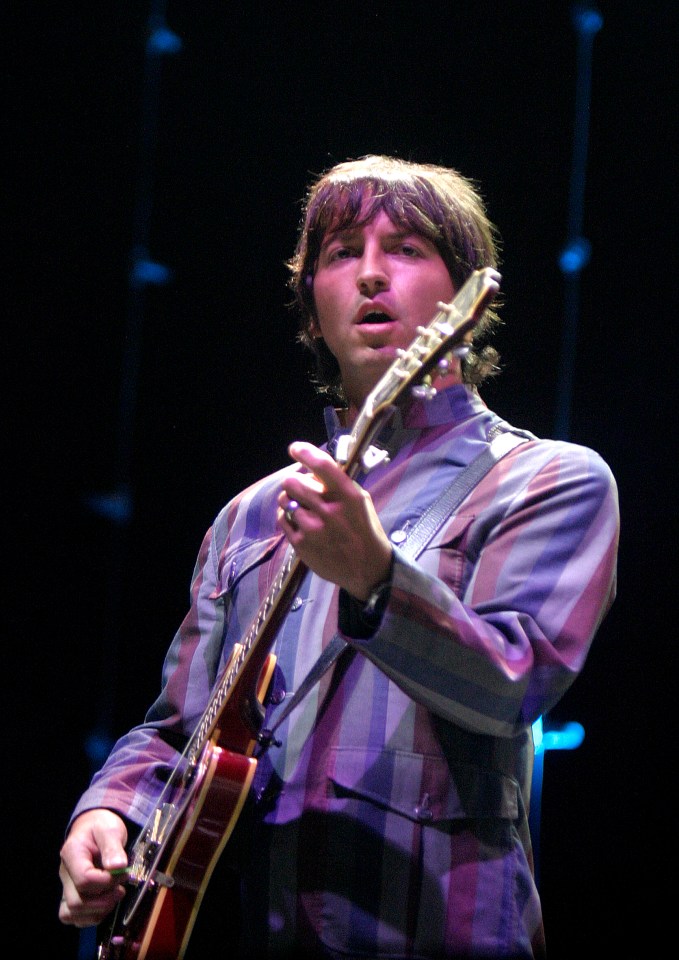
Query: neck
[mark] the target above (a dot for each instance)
(450, 379)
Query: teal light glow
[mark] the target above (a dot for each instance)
(567, 736)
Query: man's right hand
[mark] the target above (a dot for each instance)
(95, 845)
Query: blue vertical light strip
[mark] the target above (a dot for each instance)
(117, 505)
(574, 256)
(576, 252)
(144, 272)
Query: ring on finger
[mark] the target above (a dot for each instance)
(289, 512)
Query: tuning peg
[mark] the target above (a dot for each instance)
(424, 391)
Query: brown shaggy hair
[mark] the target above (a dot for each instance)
(434, 201)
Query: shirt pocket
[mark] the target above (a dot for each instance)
(422, 788)
(447, 556)
(244, 558)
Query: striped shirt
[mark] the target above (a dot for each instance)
(392, 819)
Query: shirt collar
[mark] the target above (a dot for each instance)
(453, 405)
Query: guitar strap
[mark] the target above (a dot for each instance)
(503, 439)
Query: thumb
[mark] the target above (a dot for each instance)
(111, 840)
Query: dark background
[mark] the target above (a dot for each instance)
(258, 98)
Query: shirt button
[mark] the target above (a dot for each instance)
(423, 810)
(296, 603)
(278, 696)
(397, 536)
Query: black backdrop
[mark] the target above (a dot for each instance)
(258, 97)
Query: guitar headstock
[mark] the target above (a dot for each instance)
(450, 331)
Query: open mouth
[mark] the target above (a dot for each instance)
(376, 316)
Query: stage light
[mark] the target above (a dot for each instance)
(163, 41)
(566, 736)
(575, 255)
(146, 272)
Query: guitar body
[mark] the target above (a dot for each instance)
(161, 924)
(173, 859)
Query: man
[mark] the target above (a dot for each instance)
(388, 817)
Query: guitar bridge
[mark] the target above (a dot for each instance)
(148, 844)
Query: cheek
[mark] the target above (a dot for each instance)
(325, 309)
(440, 287)
(443, 293)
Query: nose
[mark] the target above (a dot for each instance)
(372, 275)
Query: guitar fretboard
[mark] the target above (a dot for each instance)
(237, 662)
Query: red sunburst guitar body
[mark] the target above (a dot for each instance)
(172, 861)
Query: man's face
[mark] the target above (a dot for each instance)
(373, 286)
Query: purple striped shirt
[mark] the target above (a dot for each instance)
(392, 820)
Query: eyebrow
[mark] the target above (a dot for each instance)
(345, 233)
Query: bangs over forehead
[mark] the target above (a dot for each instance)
(341, 204)
(437, 202)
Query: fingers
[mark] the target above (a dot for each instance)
(331, 522)
(110, 837)
(322, 482)
(321, 464)
(88, 902)
(93, 848)
(80, 911)
(305, 493)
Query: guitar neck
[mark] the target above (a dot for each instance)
(247, 659)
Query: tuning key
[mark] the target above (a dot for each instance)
(424, 392)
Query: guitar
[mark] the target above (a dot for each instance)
(174, 856)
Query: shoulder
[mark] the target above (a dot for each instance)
(567, 456)
(544, 467)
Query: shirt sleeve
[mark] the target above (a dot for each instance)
(132, 779)
(499, 649)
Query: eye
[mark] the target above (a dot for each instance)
(409, 247)
(339, 252)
